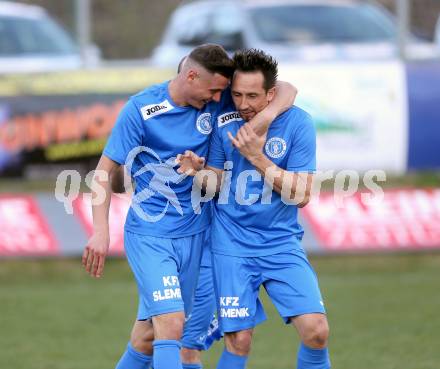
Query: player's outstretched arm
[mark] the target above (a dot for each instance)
(189, 163)
(294, 187)
(285, 94)
(95, 252)
(193, 165)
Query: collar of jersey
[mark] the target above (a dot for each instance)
(169, 98)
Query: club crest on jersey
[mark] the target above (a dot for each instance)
(203, 123)
(275, 147)
(229, 117)
(150, 111)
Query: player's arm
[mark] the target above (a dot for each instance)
(117, 180)
(120, 181)
(96, 249)
(209, 180)
(126, 135)
(285, 94)
(206, 177)
(294, 187)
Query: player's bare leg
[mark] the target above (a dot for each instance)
(191, 356)
(237, 348)
(139, 351)
(168, 326)
(239, 343)
(168, 330)
(142, 336)
(313, 330)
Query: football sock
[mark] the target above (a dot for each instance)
(167, 354)
(228, 360)
(132, 359)
(309, 358)
(192, 366)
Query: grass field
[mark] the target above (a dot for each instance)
(383, 313)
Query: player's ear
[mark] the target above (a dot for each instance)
(191, 75)
(270, 94)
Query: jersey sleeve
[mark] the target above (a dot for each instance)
(216, 156)
(126, 134)
(302, 157)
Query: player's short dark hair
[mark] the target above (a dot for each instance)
(179, 67)
(214, 59)
(253, 60)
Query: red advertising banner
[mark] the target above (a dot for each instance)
(24, 231)
(403, 219)
(118, 212)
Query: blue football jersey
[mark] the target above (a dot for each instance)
(249, 218)
(150, 132)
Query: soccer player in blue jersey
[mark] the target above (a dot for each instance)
(255, 233)
(163, 236)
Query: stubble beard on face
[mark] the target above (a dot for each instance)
(247, 116)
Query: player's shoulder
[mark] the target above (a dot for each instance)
(152, 101)
(152, 94)
(297, 123)
(298, 116)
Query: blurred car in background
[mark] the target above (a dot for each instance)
(295, 30)
(31, 41)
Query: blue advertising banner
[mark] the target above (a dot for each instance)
(424, 115)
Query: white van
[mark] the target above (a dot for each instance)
(289, 30)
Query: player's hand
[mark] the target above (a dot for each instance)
(189, 163)
(261, 122)
(94, 254)
(248, 142)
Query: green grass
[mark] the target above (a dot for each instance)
(383, 313)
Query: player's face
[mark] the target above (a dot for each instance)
(205, 87)
(248, 93)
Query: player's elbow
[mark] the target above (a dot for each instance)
(305, 201)
(300, 199)
(288, 90)
(293, 93)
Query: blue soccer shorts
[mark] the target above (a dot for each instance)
(166, 271)
(288, 278)
(202, 328)
(197, 327)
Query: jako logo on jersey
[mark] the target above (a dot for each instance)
(150, 111)
(226, 118)
(275, 147)
(204, 123)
